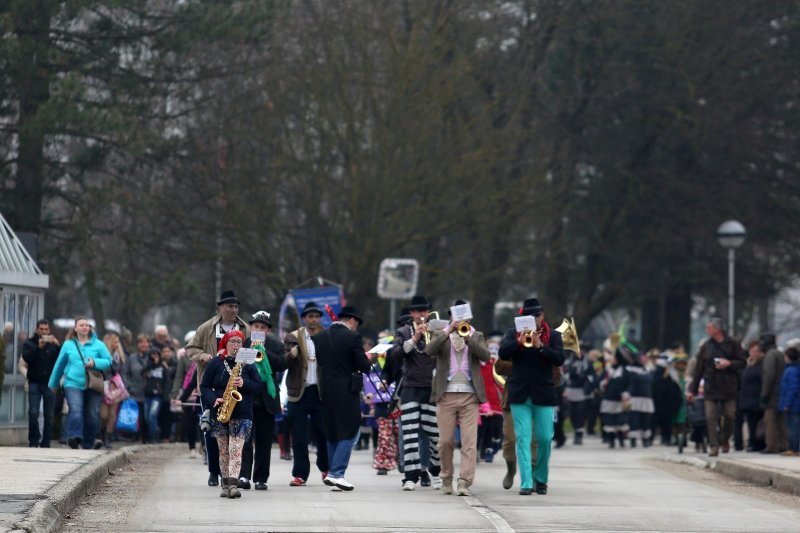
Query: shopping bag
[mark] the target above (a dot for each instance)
(114, 390)
(128, 417)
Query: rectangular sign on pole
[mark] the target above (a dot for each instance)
(331, 295)
(397, 278)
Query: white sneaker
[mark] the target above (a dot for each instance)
(193, 454)
(436, 483)
(341, 483)
(409, 485)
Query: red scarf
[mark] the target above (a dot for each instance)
(544, 336)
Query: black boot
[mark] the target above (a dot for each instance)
(578, 438)
(622, 441)
(511, 470)
(633, 443)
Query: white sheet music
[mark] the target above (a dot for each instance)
(246, 356)
(525, 323)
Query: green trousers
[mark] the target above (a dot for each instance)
(533, 421)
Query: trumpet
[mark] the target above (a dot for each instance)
(463, 328)
(260, 355)
(431, 316)
(527, 338)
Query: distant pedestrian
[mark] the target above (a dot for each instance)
(40, 353)
(750, 395)
(109, 407)
(789, 403)
(776, 435)
(718, 362)
(81, 351)
(134, 379)
(155, 387)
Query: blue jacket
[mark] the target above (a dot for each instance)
(70, 364)
(790, 389)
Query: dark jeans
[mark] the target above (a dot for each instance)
(793, 421)
(260, 438)
(577, 414)
(38, 393)
(719, 419)
(752, 418)
(83, 419)
(309, 405)
(152, 406)
(189, 425)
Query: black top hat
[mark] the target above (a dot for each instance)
(227, 297)
(261, 316)
(405, 316)
(350, 311)
(419, 303)
(532, 307)
(311, 307)
(457, 302)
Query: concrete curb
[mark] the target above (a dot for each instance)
(47, 515)
(782, 480)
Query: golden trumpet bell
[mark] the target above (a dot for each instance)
(463, 328)
(527, 339)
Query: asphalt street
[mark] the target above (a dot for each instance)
(591, 489)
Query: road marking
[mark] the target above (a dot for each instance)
(499, 523)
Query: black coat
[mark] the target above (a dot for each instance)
(215, 380)
(417, 365)
(277, 362)
(750, 393)
(340, 353)
(532, 371)
(40, 361)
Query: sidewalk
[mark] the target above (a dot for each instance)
(770, 470)
(39, 486)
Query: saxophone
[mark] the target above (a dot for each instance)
(230, 396)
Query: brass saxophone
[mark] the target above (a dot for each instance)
(230, 396)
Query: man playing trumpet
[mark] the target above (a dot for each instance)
(419, 412)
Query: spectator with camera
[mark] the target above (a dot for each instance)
(718, 362)
(40, 353)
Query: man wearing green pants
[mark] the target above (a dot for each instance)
(532, 394)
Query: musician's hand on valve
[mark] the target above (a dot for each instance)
(238, 382)
(218, 402)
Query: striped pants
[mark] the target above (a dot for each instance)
(418, 417)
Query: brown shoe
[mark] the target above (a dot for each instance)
(726, 447)
(713, 452)
(462, 488)
(224, 488)
(511, 469)
(233, 490)
(447, 485)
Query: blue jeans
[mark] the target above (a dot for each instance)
(793, 422)
(36, 394)
(152, 407)
(339, 455)
(83, 419)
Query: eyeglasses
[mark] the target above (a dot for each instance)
(235, 341)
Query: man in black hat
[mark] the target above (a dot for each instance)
(302, 387)
(266, 404)
(203, 348)
(341, 357)
(419, 413)
(532, 393)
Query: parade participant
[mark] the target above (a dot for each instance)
(532, 394)
(341, 358)
(419, 412)
(203, 349)
(302, 386)
(640, 388)
(490, 432)
(579, 374)
(266, 404)
(719, 360)
(616, 398)
(232, 434)
(457, 391)
(82, 350)
(40, 353)
(667, 397)
(385, 456)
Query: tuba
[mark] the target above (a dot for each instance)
(569, 334)
(231, 396)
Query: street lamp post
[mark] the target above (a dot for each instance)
(731, 235)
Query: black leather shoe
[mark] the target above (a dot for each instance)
(261, 485)
(425, 480)
(525, 492)
(243, 484)
(541, 488)
(213, 480)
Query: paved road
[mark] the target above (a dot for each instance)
(591, 489)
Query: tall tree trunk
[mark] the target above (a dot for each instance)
(32, 27)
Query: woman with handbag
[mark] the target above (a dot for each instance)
(115, 390)
(81, 362)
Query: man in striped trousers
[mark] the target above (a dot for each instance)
(418, 412)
